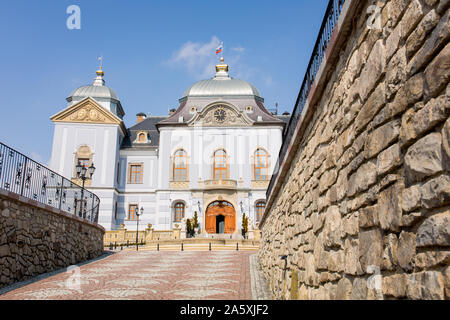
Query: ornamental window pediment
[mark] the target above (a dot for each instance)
(221, 114)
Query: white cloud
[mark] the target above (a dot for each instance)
(198, 58)
(238, 49)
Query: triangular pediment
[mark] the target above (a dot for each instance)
(87, 111)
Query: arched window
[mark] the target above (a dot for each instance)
(179, 212)
(260, 207)
(220, 171)
(83, 156)
(261, 165)
(180, 166)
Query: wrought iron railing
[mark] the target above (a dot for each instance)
(326, 31)
(24, 176)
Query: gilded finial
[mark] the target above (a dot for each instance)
(222, 67)
(100, 70)
(99, 81)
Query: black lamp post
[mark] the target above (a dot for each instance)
(137, 227)
(81, 174)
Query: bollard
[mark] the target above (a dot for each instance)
(115, 245)
(128, 242)
(237, 246)
(182, 247)
(121, 246)
(210, 246)
(157, 246)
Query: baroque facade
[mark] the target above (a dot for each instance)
(213, 156)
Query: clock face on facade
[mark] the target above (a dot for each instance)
(220, 115)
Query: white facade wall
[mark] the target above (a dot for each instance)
(104, 141)
(200, 144)
(154, 193)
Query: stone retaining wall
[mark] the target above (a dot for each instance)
(36, 240)
(364, 210)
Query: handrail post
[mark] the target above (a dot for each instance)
(23, 176)
(61, 193)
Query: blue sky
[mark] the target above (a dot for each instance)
(153, 51)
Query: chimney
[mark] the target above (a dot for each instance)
(141, 116)
(172, 111)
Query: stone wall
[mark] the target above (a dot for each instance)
(364, 210)
(36, 240)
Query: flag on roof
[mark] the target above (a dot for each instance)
(219, 48)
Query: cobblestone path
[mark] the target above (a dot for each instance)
(153, 275)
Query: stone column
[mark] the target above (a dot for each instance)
(149, 233)
(177, 233)
(121, 232)
(182, 229)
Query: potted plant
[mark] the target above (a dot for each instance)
(188, 228)
(195, 223)
(244, 225)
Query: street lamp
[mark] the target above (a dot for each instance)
(137, 226)
(81, 174)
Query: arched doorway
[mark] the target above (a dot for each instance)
(220, 218)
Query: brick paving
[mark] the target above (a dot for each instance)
(151, 275)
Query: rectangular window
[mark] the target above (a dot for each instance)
(132, 209)
(135, 172)
(84, 162)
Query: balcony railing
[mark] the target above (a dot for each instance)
(24, 176)
(326, 31)
(220, 184)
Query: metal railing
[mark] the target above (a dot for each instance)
(326, 31)
(24, 176)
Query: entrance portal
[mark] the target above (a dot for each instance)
(220, 218)
(220, 224)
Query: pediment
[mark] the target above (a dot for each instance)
(86, 111)
(220, 114)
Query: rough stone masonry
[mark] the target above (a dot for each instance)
(364, 211)
(34, 240)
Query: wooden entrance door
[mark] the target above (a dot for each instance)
(220, 208)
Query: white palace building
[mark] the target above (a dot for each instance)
(214, 155)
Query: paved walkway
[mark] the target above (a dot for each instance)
(153, 275)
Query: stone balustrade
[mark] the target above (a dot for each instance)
(220, 184)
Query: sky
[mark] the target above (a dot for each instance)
(152, 50)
